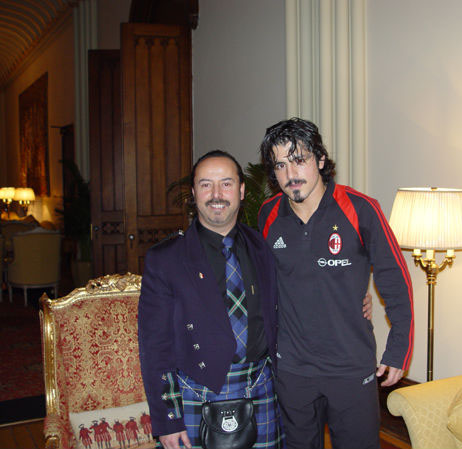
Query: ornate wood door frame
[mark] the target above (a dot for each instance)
(106, 163)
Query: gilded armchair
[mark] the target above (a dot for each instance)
(90, 353)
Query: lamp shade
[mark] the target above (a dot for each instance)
(7, 193)
(428, 218)
(24, 195)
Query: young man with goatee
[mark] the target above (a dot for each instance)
(326, 238)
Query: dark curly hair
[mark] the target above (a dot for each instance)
(298, 132)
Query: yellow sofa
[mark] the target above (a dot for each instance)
(432, 412)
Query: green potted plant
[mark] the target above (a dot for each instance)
(76, 216)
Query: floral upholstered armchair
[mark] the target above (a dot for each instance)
(91, 362)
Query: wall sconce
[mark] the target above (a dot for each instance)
(24, 195)
(7, 195)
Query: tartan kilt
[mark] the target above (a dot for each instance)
(239, 379)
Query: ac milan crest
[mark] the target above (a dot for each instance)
(335, 243)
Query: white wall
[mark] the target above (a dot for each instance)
(414, 73)
(111, 13)
(415, 139)
(238, 75)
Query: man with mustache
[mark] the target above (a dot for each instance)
(326, 239)
(200, 339)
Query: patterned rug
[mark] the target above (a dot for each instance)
(20, 348)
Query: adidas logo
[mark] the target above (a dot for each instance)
(279, 243)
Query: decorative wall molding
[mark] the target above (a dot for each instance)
(85, 38)
(326, 78)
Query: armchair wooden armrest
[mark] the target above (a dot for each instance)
(56, 433)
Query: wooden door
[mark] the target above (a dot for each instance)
(106, 163)
(156, 99)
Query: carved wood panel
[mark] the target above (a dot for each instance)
(156, 98)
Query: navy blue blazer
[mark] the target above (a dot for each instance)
(183, 322)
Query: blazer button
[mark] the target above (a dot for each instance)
(196, 347)
(164, 396)
(171, 415)
(201, 365)
(190, 326)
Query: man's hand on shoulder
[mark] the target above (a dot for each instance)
(172, 441)
(394, 375)
(367, 306)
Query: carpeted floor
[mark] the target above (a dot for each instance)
(20, 349)
(21, 377)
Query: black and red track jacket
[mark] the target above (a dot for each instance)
(324, 269)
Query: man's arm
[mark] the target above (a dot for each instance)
(156, 338)
(393, 282)
(394, 374)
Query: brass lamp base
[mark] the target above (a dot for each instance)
(432, 269)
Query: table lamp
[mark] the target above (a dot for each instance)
(24, 195)
(7, 195)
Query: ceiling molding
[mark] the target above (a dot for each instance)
(37, 50)
(25, 27)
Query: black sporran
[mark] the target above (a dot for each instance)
(228, 424)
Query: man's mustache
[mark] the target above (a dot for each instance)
(217, 202)
(295, 181)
